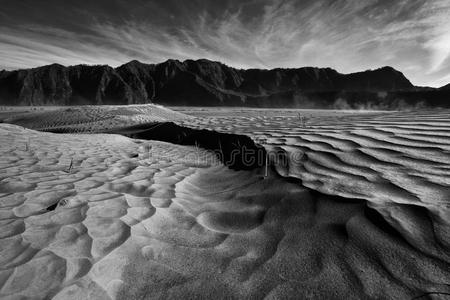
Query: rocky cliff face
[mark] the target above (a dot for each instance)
(202, 82)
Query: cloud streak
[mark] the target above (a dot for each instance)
(349, 35)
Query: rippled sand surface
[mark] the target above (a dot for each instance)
(361, 210)
(399, 162)
(90, 118)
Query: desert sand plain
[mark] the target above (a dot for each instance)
(360, 209)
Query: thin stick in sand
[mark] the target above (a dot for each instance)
(70, 166)
(266, 173)
(220, 148)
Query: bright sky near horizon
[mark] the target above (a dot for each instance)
(412, 36)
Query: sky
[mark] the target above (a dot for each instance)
(412, 36)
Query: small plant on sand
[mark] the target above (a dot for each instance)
(70, 166)
(197, 150)
(220, 148)
(27, 145)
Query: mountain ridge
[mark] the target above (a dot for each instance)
(210, 83)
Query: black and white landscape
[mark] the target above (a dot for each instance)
(236, 150)
(209, 83)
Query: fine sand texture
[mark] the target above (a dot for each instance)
(91, 118)
(359, 211)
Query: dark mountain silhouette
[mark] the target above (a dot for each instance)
(445, 87)
(208, 83)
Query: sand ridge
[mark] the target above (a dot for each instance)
(398, 162)
(93, 118)
(406, 153)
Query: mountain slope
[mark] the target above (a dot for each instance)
(206, 83)
(445, 87)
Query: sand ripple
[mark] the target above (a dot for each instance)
(136, 219)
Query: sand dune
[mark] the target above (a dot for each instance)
(135, 219)
(408, 151)
(398, 162)
(92, 118)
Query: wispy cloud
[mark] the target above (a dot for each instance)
(349, 35)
